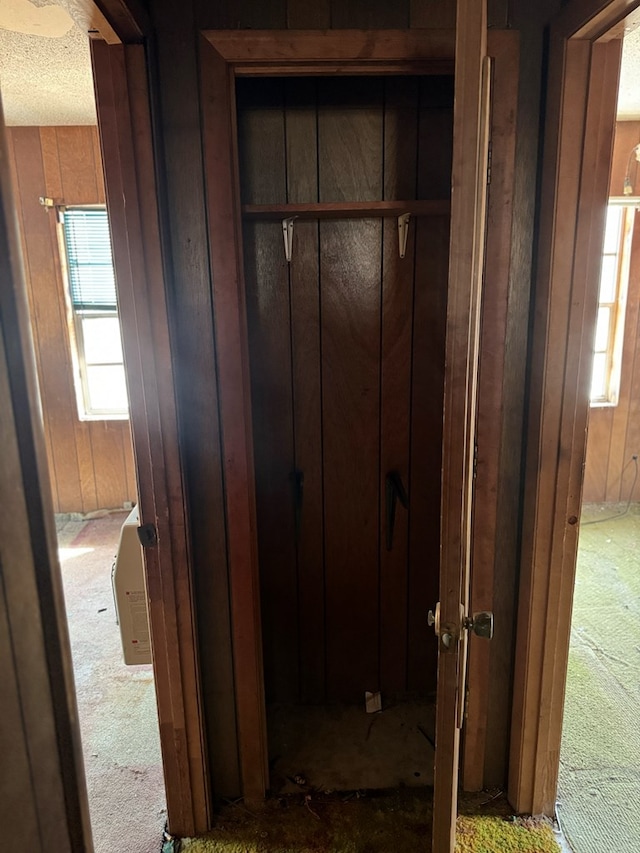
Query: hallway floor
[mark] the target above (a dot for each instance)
(599, 786)
(116, 703)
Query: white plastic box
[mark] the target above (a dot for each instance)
(127, 577)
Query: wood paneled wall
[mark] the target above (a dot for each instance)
(91, 462)
(614, 431)
(176, 86)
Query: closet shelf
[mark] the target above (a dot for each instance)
(347, 209)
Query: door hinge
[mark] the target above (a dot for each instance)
(489, 161)
(148, 535)
(475, 461)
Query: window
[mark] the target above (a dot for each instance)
(100, 381)
(614, 275)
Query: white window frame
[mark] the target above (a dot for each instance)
(617, 307)
(86, 411)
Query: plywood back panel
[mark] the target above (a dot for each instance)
(91, 462)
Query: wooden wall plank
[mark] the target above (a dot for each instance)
(61, 163)
(108, 461)
(626, 138)
(369, 14)
(88, 498)
(437, 14)
(268, 322)
(350, 140)
(302, 186)
(350, 167)
(30, 299)
(400, 166)
(49, 319)
(309, 14)
(77, 164)
(241, 14)
(597, 461)
(612, 437)
(350, 276)
(395, 417)
(435, 129)
(429, 314)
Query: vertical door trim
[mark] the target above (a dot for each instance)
(225, 54)
(579, 133)
(124, 122)
(43, 788)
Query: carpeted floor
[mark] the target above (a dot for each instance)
(369, 822)
(116, 703)
(599, 789)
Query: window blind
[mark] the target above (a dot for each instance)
(90, 263)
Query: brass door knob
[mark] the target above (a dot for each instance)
(481, 624)
(433, 618)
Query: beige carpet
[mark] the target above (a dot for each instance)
(116, 703)
(599, 791)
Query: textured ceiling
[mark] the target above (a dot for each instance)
(45, 70)
(629, 92)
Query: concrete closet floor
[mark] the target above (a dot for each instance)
(116, 703)
(342, 748)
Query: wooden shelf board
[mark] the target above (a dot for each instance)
(347, 210)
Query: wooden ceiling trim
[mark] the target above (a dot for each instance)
(347, 47)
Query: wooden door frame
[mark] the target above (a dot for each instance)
(43, 790)
(124, 123)
(224, 55)
(580, 122)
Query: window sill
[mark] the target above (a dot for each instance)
(602, 404)
(105, 417)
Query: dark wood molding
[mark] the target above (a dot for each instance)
(583, 79)
(125, 132)
(289, 47)
(128, 19)
(43, 791)
(225, 54)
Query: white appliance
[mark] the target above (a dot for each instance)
(127, 579)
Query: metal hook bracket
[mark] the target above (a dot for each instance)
(287, 233)
(403, 233)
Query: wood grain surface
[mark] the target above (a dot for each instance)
(614, 434)
(346, 378)
(91, 462)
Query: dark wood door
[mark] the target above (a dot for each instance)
(347, 368)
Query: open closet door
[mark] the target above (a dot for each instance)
(466, 266)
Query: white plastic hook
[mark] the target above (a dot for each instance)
(287, 233)
(403, 233)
